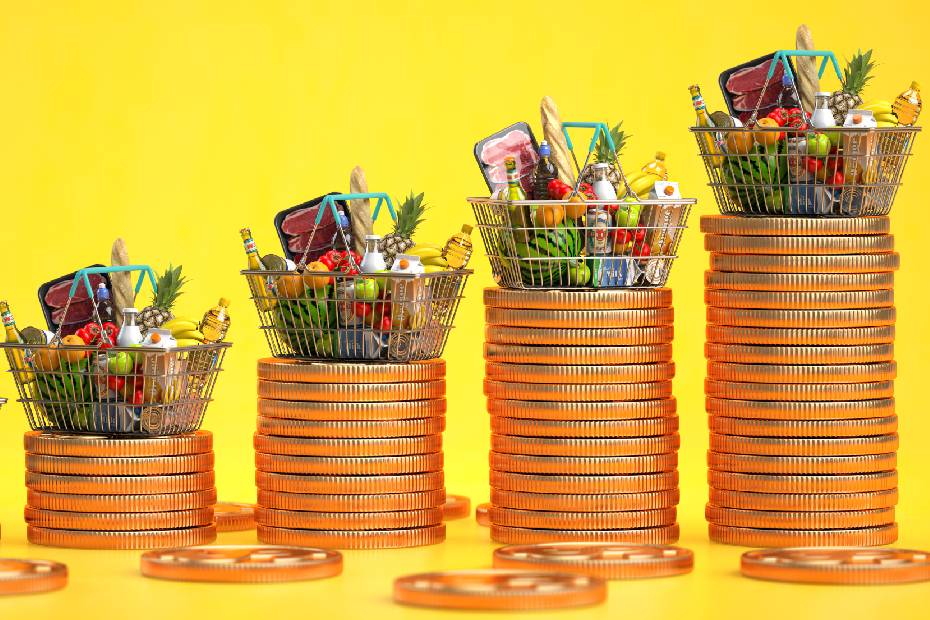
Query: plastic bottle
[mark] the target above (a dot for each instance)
(129, 334)
(657, 166)
(907, 105)
(373, 260)
(216, 322)
(822, 116)
(545, 172)
(19, 367)
(457, 250)
(104, 305)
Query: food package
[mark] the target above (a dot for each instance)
(516, 141)
(359, 210)
(742, 87)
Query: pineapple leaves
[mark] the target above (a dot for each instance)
(619, 137)
(858, 72)
(410, 214)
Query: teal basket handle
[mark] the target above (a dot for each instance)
(599, 129)
(783, 55)
(329, 201)
(81, 276)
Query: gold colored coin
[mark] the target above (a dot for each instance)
(810, 373)
(385, 446)
(304, 520)
(767, 354)
(804, 446)
(799, 300)
(802, 337)
(37, 442)
(569, 411)
(815, 465)
(511, 517)
(870, 317)
(165, 502)
(499, 590)
(299, 371)
(768, 483)
(662, 535)
(580, 319)
(604, 560)
(352, 392)
(798, 391)
(584, 485)
(559, 446)
(794, 226)
(798, 281)
(303, 410)
(118, 521)
(772, 519)
(562, 502)
(858, 244)
(120, 485)
(649, 427)
(483, 515)
(349, 485)
(583, 465)
(560, 392)
(242, 564)
(785, 410)
(234, 517)
(31, 576)
(856, 566)
(773, 263)
(353, 539)
(806, 502)
(348, 466)
(456, 507)
(582, 356)
(858, 427)
(750, 537)
(578, 300)
(115, 466)
(380, 502)
(348, 429)
(575, 375)
(619, 337)
(152, 539)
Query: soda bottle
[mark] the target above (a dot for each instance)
(545, 172)
(457, 250)
(703, 120)
(215, 322)
(20, 369)
(261, 287)
(104, 305)
(907, 105)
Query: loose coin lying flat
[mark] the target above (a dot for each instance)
(580, 319)
(389, 446)
(604, 560)
(234, 517)
(116, 466)
(581, 356)
(798, 281)
(37, 442)
(837, 483)
(496, 297)
(619, 337)
(773, 263)
(483, 514)
(118, 521)
(31, 576)
(456, 507)
(584, 465)
(805, 392)
(801, 337)
(799, 300)
(348, 466)
(810, 373)
(554, 410)
(242, 564)
(808, 411)
(837, 566)
(560, 392)
(347, 539)
(871, 317)
(862, 427)
(773, 519)
(298, 371)
(303, 520)
(662, 535)
(563, 502)
(620, 446)
(152, 539)
(380, 502)
(512, 517)
(804, 446)
(859, 244)
(649, 427)
(752, 537)
(164, 502)
(348, 429)
(768, 354)
(120, 485)
(352, 392)
(794, 226)
(804, 502)
(499, 590)
(350, 485)
(574, 375)
(351, 411)
(584, 485)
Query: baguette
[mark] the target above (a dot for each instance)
(808, 81)
(124, 295)
(359, 210)
(552, 130)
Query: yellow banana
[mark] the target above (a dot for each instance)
(435, 268)
(188, 342)
(192, 334)
(886, 124)
(644, 184)
(425, 250)
(437, 261)
(179, 325)
(887, 118)
(877, 107)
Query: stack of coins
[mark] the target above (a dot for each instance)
(349, 455)
(584, 427)
(92, 492)
(800, 381)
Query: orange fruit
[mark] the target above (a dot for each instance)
(549, 216)
(291, 286)
(767, 137)
(315, 281)
(46, 359)
(576, 209)
(739, 142)
(72, 355)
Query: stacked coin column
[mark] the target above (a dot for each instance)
(349, 455)
(584, 428)
(800, 381)
(98, 493)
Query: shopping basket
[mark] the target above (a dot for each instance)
(348, 315)
(119, 391)
(549, 244)
(786, 171)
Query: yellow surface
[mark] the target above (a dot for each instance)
(175, 123)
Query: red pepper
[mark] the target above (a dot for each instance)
(556, 189)
(385, 324)
(813, 165)
(138, 397)
(84, 335)
(110, 331)
(640, 234)
(361, 309)
(107, 345)
(837, 179)
(641, 248)
(328, 261)
(115, 383)
(779, 115)
(797, 119)
(587, 191)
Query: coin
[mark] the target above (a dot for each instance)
(815, 502)
(604, 560)
(662, 535)
(352, 392)
(767, 354)
(121, 503)
(304, 520)
(234, 517)
(799, 300)
(456, 507)
(645, 354)
(793, 226)
(859, 244)
(584, 485)
(385, 446)
(870, 317)
(650, 427)
(825, 410)
(118, 521)
(773, 263)
(300, 371)
(511, 517)
(560, 392)
(242, 564)
(862, 427)
(116, 466)
(630, 336)
(578, 300)
(348, 466)
(810, 373)
(798, 391)
(379, 502)
(499, 590)
(583, 465)
(553, 410)
(619, 446)
(347, 429)
(31, 576)
(750, 537)
(837, 566)
(788, 336)
(120, 485)
(540, 373)
(769, 519)
(303, 410)
(768, 483)
(353, 539)
(798, 281)
(37, 442)
(558, 502)
(483, 515)
(152, 539)
(579, 319)
(756, 464)
(349, 485)
(804, 446)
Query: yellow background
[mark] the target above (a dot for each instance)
(175, 123)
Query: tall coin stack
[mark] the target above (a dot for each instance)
(800, 381)
(349, 455)
(584, 427)
(92, 492)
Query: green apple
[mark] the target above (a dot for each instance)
(578, 274)
(120, 364)
(818, 144)
(366, 289)
(628, 214)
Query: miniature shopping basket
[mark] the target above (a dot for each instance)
(133, 391)
(343, 314)
(792, 171)
(550, 244)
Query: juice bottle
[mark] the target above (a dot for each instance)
(260, 286)
(545, 172)
(657, 166)
(907, 105)
(215, 322)
(21, 370)
(514, 189)
(457, 250)
(708, 138)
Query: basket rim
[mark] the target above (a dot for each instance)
(338, 274)
(793, 130)
(597, 203)
(91, 347)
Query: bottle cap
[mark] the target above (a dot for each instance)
(544, 150)
(372, 237)
(600, 165)
(823, 93)
(224, 302)
(467, 228)
(660, 155)
(102, 291)
(915, 85)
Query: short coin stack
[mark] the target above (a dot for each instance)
(93, 492)
(349, 455)
(584, 426)
(800, 381)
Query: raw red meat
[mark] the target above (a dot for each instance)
(57, 296)
(301, 221)
(746, 102)
(79, 312)
(752, 79)
(516, 144)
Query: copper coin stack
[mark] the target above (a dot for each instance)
(800, 381)
(584, 443)
(92, 492)
(349, 455)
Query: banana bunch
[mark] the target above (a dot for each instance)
(430, 255)
(882, 112)
(641, 183)
(185, 331)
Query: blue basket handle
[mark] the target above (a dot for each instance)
(330, 201)
(81, 276)
(783, 55)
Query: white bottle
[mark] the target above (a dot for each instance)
(373, 260)
(603, 189)
(129, 334)
(822, 116)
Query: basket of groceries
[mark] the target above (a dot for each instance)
(344, 293)
(785, 147)
(551, 225)
(105, 368)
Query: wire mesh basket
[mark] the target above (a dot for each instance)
(388, 316)
(571, 244)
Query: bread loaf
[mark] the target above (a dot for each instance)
(552, 130)
(359, 210)
(807, 81)
(123, 293)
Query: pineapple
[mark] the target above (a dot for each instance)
(159, 312)
(855, 77)
(603, 154)
(409, 216)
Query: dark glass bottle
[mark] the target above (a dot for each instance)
(545, 172)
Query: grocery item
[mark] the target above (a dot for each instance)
(264, 299)
(552, 130)
(545, 172)
(822, 116)
(856, 75)
(749, 86)
(372, 259)
(808, 81)
(514, 188)
(457, 251)
(517, 142)
(704, 120)
(409, 216)
(17, 361)
(606, 155)
(104, 306)
(63, 312)
(907, 105)
(130, 334)
(299, 233)
(158, 312)
(359, 210)
(215, 322)
(123, 294)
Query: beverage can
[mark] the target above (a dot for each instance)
(597, 223)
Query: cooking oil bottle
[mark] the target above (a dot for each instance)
(907, 105)
(657, 166)
(21, 370)
(260, 286)
(215, 322)
(457, 250)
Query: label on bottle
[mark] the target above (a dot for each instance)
(250, 246)
(7, 318)
(698, 102)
